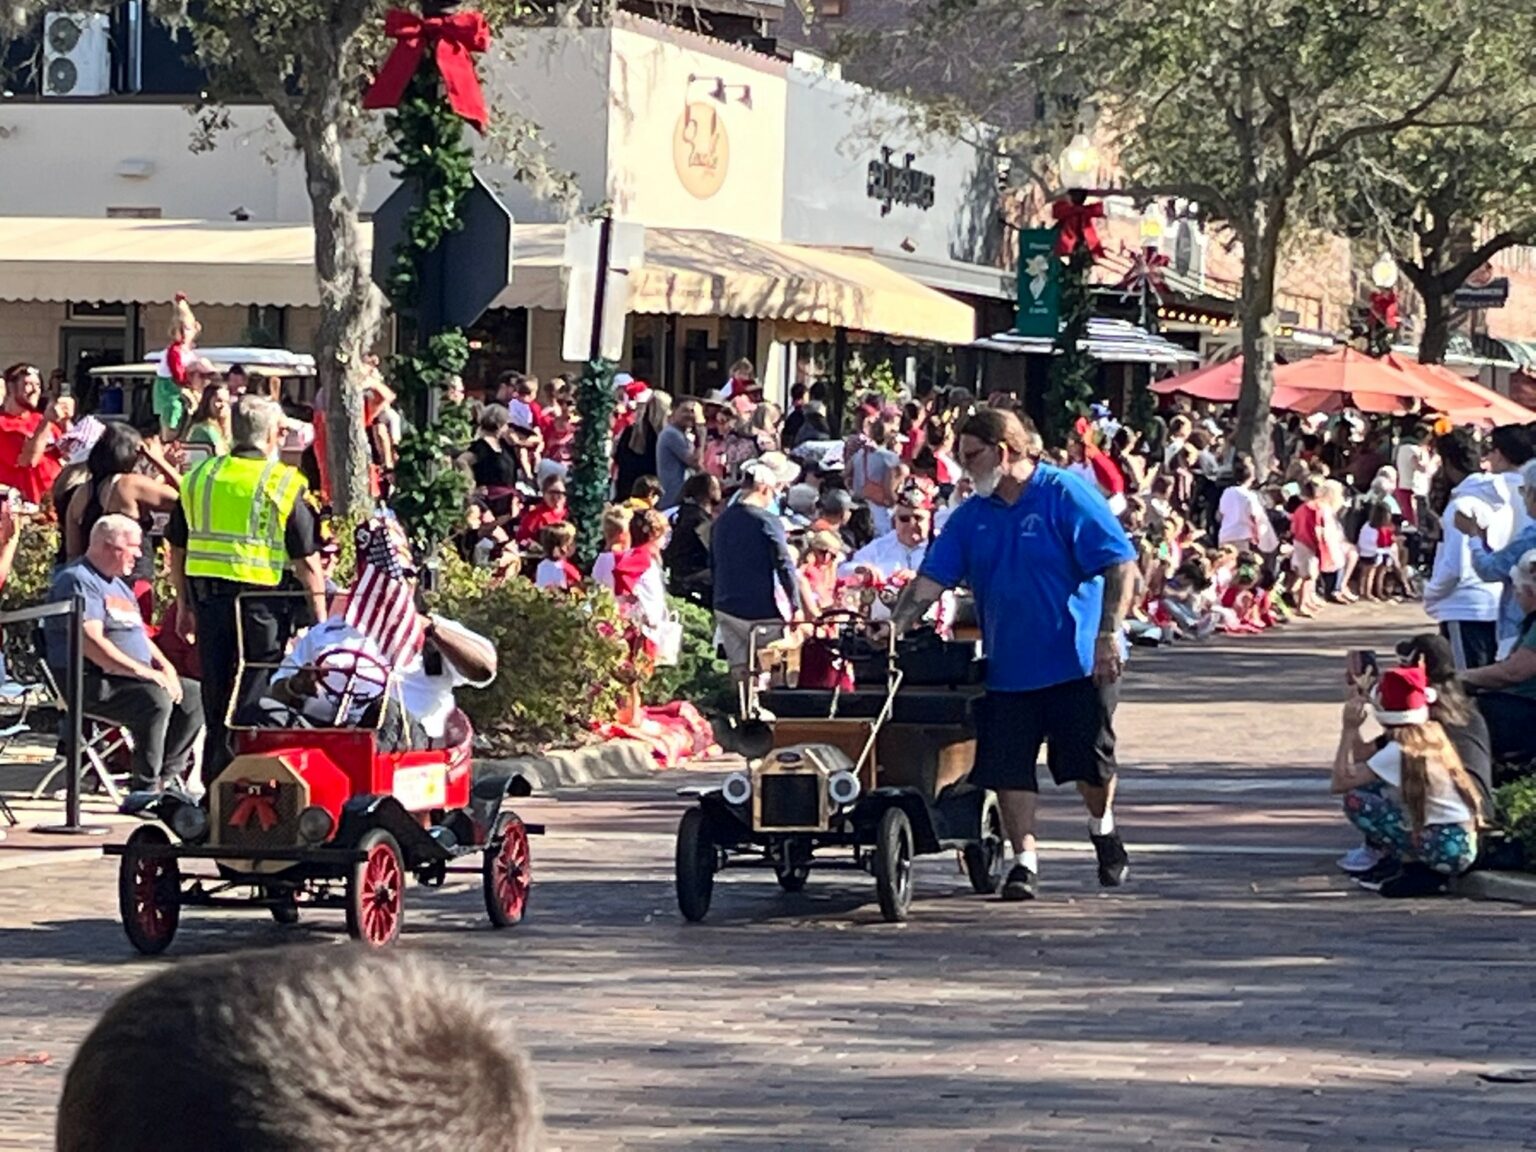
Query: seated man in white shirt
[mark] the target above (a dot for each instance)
(900, 550)
(374, 643)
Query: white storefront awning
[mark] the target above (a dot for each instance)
(1110, 341)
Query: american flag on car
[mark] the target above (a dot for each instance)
(382, 603)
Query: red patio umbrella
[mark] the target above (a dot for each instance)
(1222, 383)
(1463, 400)
(1362, 381)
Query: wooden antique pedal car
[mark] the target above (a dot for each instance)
(322, 817)
(864, 778)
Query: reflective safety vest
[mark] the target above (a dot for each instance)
(237, 510)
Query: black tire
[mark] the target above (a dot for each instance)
(149, 893)
(697, 857)
(376, 891)
(985, 857)
(506, 873)
(893, 864)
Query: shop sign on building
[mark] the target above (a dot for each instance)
(1482, 290)
(1039, 312)
(903, 184)
(701, 149)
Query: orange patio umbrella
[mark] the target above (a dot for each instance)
(1360, 380)
(1463, 400)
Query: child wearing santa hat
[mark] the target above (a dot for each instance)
(1411, 797)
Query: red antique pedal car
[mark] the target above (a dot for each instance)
(308, 817)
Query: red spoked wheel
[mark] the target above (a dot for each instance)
(507, 873)
(149, 892)
(376, 891)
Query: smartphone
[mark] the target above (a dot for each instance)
(1363, 669)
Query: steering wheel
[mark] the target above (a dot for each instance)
(347, 676)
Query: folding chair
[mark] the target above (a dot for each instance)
(100, 740)
(21, 695)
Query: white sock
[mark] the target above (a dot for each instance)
(1102, 827)
(1029, 859)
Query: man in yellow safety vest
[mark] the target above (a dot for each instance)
(240, 526)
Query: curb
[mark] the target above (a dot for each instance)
(44, 857)
(566, 768)
(1507, 887)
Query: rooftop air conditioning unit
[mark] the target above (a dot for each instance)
(77, 54)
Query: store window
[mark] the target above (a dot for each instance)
(497, 343)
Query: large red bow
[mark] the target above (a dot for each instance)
(258, 800)
(455, 41)
(1384, 308)
(1074, 222)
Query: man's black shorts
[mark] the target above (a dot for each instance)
(1074, 720)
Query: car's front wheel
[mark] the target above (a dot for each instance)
(697, 859)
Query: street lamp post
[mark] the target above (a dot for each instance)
(1382, 318)
(1149, 275)
(1077, 244)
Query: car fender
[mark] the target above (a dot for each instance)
(925, 838)
(488, 795)
(361, 813)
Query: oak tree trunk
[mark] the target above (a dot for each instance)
(1261, 235)
(350, 315)
(1435, 338)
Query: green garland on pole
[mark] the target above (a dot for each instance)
(428, 148)
(587, 482)
(1073, 370)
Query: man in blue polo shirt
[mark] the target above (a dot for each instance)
(1053, 574)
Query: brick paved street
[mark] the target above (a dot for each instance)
(1238, 995)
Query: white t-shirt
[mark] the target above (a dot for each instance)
(1442, 804)
(602, 568)
(427, 698)
(1238, 514)
(550, 574)
(1369, 542)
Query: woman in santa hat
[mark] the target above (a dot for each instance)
(1409, 793)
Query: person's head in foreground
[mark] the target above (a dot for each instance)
(300, 1050)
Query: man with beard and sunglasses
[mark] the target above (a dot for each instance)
(1053, 574)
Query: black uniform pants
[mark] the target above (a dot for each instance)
(267, 626)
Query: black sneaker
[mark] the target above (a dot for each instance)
(1372, 879)
(1415, 880)
(1020, 884)
(1114, 864)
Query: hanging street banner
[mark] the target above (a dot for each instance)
(1490, 294)
(1039, 311)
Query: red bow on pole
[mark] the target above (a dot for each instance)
(258, 800)
(455, 41)
(1384, 308)
(1074, 222)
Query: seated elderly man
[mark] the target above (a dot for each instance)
(1506, 691)
(377, 642)
(128, 680)
(901, 550)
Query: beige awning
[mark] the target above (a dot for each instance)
(686, 273)
(148, 261)
(696, 273)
